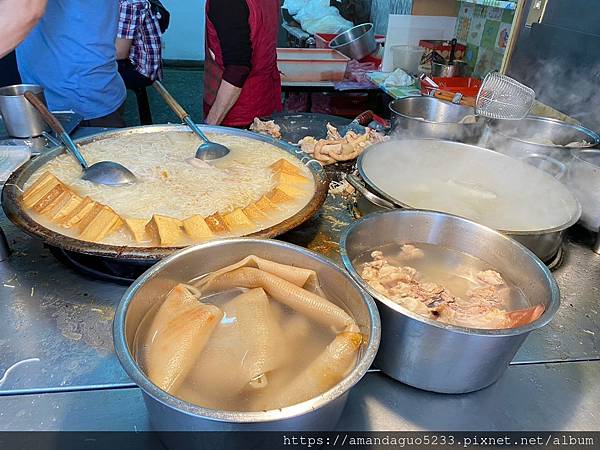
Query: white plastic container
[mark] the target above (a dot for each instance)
(407, 57)
(311, 64)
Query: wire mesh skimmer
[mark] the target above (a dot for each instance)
(501, 97)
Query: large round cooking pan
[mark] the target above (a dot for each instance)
(479, 184)
(14, 186)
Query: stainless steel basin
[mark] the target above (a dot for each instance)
(357, 43)
(436, 356)
(168, 413)
(428, 117)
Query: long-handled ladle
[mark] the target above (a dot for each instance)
(103, 172)
(208, 150)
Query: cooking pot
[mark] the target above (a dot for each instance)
(168, 413)
(437, 356)
(145, 255)
(583, 178)
(527, 136)
(501, 192)
(20, 118)
(428, 117)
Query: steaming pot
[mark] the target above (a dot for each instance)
(463, 179)
(583, 178)
(535, 135)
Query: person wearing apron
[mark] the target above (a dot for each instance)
(241, 78)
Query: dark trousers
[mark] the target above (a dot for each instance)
(137, 83)
(9, 72)
(112, 120)
(132, 78)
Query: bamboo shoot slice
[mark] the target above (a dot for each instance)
(299, 276)
(178, 334)
(301, 300)
(244, 347)
(330, 367)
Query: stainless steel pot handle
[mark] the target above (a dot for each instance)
(562, 168)
(356, 184)
(52, 139)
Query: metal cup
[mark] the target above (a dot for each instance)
(21, 119)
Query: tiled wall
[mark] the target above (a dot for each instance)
(484, 30)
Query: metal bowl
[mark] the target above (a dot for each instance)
(20, 217)
(428, 117)
(516, 138)
(357, 43)
(435, 356)
(454, 69)
(170, 413)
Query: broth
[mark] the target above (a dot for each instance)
(169, 185)
(446, 276)
(209, 383)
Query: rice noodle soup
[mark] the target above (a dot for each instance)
(171, 183)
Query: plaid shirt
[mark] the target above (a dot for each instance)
(136, 22)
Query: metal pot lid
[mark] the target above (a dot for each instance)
(469, 181)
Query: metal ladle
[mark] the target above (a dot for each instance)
(208, 150)
(103, 172)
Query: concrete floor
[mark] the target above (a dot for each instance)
(185, 84)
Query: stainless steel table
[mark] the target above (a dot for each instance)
(58, 370)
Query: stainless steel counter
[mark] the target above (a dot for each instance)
(57, 323)
(539, 397)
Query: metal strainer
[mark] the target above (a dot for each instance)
(501, 97)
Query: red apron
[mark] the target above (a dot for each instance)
(261, 93)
